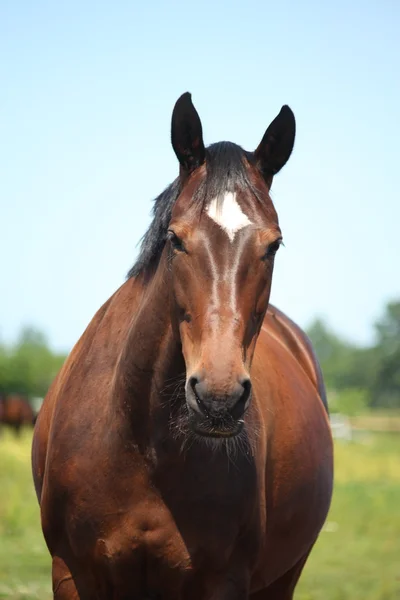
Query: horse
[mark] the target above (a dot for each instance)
(184, 449)
(16, 412)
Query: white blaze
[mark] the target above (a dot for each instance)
(227, 213)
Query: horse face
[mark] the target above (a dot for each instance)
(222, 240)
(221, 271)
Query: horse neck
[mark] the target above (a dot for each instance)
(150, 360)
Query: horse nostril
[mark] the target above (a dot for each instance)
(193, 381)
(243, 400)
(194, 385)
(246, 383)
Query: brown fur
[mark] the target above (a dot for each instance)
(136, 505)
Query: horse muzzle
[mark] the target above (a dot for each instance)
(217, 414)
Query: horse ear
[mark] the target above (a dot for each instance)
(187, 134)
(277, 144)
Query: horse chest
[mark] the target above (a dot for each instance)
(149, 550)
(168, 535)
(180, 529)
(140, 554)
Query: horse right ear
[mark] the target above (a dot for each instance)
(187, 134)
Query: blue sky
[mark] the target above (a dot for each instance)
(87, 91)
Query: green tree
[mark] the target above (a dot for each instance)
(29, 366)
(350, 401)
(386, 384)
(343, 364)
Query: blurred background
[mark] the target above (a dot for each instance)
(87, 91)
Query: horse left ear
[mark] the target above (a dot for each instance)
(277, 144)
(187, 134)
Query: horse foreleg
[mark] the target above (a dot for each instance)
(283, 588)
(17, 429)
(64, 587)
(232, 585)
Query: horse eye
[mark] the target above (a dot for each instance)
(273, 249)
(176, 242)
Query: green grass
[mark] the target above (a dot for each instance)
(24, 558)
(356, 557)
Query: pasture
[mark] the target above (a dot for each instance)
(356, 557)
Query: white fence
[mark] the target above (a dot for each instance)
(341, 427)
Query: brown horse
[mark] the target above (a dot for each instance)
(16, 412)
(184, 449)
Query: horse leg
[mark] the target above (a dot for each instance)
(78, 582)
(283, 588)
(17, 428)
(232, 585)
(63, 583)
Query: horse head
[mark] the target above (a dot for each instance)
(221, 237)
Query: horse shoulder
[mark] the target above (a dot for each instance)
(54, 396)
(290, 334)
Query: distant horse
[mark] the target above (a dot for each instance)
(16, 412)
(184, 451)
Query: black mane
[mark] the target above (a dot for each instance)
(226, 172)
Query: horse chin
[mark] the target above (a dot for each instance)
(217, 430)
(217, 435)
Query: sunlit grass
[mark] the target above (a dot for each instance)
(371, 457)
(357, 556)
(358, 553)
(24, 559)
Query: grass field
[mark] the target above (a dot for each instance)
(357, 555)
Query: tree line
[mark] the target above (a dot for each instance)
(356, 377)
(361, 377)
(28, 366)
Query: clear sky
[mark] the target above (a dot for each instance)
(86, 95)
